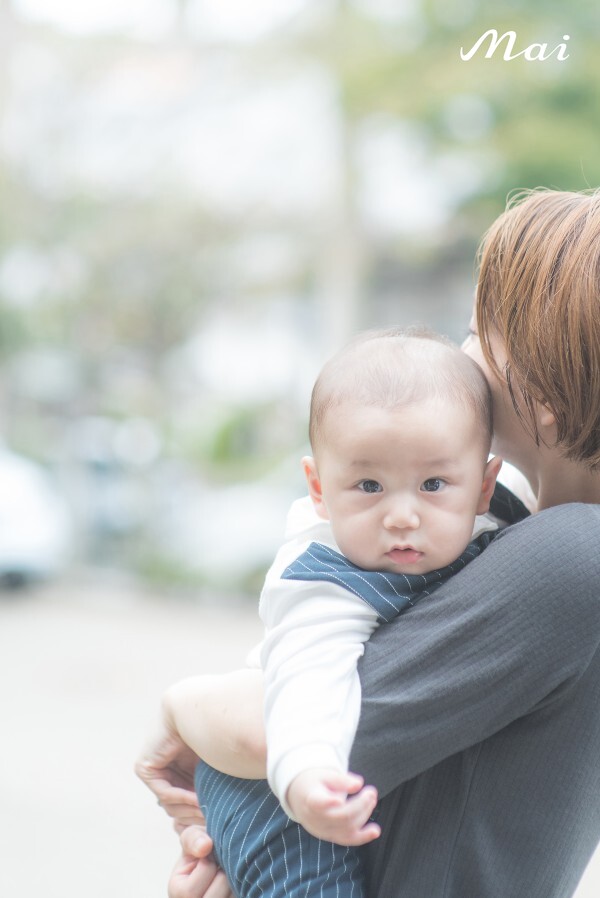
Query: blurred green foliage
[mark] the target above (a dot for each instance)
(125, 276)
(543, 116)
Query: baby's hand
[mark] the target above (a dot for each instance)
(334, 806)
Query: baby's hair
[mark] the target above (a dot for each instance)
(394, 368)
(538, 293)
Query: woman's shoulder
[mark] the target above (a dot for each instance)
(579, 518)
(559, 544)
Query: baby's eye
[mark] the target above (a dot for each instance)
(432, 485)
(370, 486)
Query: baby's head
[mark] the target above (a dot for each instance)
(400, 429)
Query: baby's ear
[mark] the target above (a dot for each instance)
(492, 469)
(309, 466)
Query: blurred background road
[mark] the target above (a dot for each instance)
(83, 667)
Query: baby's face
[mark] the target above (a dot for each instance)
(402, 487)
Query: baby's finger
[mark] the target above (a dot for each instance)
(353, 783)
(323, 799)
(352, 820)
(364, 835)
(348, 783)
(363, 803)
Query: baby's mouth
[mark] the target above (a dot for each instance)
(405, 555)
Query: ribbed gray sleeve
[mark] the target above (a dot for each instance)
(480, 721)
(488, 646)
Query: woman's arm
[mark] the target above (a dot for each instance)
(489, 646)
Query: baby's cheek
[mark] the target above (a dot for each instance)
(352, 543)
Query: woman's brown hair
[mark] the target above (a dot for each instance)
(539, 292)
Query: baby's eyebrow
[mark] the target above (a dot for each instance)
(441, 462)
(362, 463)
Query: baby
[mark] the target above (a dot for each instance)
(399, 479)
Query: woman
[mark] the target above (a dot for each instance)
(480, 722)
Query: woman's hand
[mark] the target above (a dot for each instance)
(167, 766)
(196, 875)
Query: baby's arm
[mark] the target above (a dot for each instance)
(315, 635)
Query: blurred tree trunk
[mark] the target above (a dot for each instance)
(8, 29)
(181, 9)
(343, 262)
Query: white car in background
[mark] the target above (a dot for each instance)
(35, 523)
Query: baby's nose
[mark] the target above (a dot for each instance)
(401, 514)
